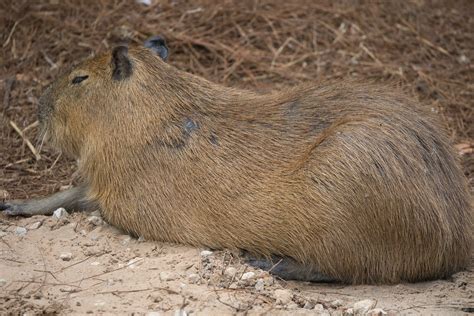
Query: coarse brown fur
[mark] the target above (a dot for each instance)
(353, 180)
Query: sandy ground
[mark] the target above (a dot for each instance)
(78, 264)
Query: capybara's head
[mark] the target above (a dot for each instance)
(89, 97)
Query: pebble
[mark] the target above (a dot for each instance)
(95, 263)
(362, 307)
(141, 239)
(3, 282)
(65, 256)
(376, 312)
(95, 220)
(349, 312)
(248, 275)
(126, 240)
(319, 307)
(34, 225)
(260, 285)
(336, 303)
(283, 296)
(60, 213)
(180, 312)
(194, 278)
(230, 272)
(20, 231)
(168, 276)
(206, 253)
(309, 305)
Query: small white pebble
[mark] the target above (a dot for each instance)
(34, 225)
(20, 231)
(336, 303)
(60, 213)
(95, 220)
(283, 296)
(65, 256)
(362, 307)
(248, 275)
(230, 272)
(309, 305)
(194, 278)
(3, 282)
(141, 239)
(206, 253)
(95, 263)
(180, 312)
(319, 307)
(168, 276)
(144, 2)
(376, 312)
(260, 285)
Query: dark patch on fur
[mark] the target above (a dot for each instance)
(121, 65)
(213, 139)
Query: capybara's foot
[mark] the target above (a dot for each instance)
(288, 269)
(13, 209)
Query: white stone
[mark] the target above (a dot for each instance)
(230, 271)
(34, 225)
(362, 307)
(336, 303)
(283, 296)
(194, 278)
(248, 275)
(309, 305)
(349, 312)
(95, 263)
(319, 307)
(168, 276)
(95, 220)
(145, 2)
(206, 253)
(65, 256)
(3, 282)
(260, 285)
(376, 312)
(141, 239)
(60, 213)
(180, 312)
(20, 231)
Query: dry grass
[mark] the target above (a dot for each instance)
(427, 47)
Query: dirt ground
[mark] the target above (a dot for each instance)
(80, 265)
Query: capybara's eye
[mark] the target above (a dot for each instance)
(79, 79)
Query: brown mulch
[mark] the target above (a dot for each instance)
(427, 47)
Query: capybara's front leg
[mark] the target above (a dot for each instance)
(74, 199)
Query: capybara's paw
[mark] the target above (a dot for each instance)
(12, 209)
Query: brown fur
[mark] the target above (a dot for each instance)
(351, 179)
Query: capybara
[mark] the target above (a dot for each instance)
(350, 182)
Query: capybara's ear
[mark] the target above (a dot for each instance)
(121, 65)
(158, 45)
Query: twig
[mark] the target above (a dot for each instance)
(6, 97)
(26, 140)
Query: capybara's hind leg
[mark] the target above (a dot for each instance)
(288, 269)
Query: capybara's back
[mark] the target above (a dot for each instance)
(351, 181)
